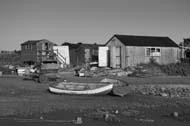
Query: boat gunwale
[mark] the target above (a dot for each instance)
(95, 90)
(100, 85)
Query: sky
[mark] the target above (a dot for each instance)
(90, 21)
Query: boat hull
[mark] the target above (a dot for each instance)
(97, 91)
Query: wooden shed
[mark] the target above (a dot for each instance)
(81, 53)
(129, 50)
(185, 50)
(34, 51)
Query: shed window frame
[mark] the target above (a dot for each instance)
(153, 51)
(94, 52)
(27, 46)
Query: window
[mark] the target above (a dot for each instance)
(94, 52)
(153, 52)
(147, 51)
(27, 47)
(46, 46)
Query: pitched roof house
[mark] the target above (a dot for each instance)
(130, 50)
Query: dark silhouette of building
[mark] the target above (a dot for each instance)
(82, 53)
(35, 51)
(10, 57)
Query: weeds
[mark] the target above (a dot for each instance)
(178, 69)
(173, 69)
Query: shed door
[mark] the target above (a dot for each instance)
(87, 55)
(118, 57)
(103, 56)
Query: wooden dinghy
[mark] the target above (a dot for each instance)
(115, 82)
(81, 88)
(120, 87)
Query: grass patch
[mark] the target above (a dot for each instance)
(182, 69)
(155, 69)
(30, 98)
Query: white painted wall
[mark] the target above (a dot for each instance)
(103, 56)
(64, 51)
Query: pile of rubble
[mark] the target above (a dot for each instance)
(160, 90)
(135, 71)
(97, 71)
(109, 116)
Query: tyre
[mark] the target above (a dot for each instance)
(43, 78)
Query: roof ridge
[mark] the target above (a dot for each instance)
(36, 41)
(141, 36)
(138, 40)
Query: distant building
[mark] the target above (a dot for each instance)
(35, 51)
(187, 47)
(82, 53)
(6, 52)
(185, 50)
(10, 57)
(129, 50)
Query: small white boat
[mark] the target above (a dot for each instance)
(81, 88)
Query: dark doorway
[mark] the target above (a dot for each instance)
(187, 53)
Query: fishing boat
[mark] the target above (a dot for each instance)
(81, 88)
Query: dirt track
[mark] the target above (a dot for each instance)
(27, 99)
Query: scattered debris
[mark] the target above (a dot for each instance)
(116, 112)
(130, 113)
(104, 115)
(97, 71)
(145, 120)
(41, 117)
(163, 94)
(143, 70)
(78, 121)
(175, 114)
(179, 116)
